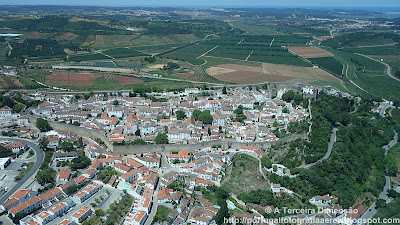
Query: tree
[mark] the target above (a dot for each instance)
(115, 102)
(4, 152)
(79, 142)
(43, 143)
(66, 146)
(266, 161)
(221, 193)
(380, 203)
(137, 132)
(224, 90)
(18, 107)
(195, 114)
(42, 124)
(76, 123)
(161, 139)
(206, 117)
(222, 213)
(180, 115)
(391, 165)
(45, 175)
(99, 212)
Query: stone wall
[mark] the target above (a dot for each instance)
(138, 149)
(93, 134)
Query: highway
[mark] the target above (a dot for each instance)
(39, 160)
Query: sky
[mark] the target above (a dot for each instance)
(226, 3)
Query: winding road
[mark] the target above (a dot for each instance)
(39, 160)
(384, 194)
(327, 154)
(388, 68)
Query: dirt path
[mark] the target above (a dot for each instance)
(372, 46)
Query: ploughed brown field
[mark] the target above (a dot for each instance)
(127, 80)
(34, 34)
(184, 75)
(309, 52)
(86, 79)
(9, 83)
(268, 72)
(68, 36)
(71, 79)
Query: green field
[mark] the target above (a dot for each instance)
(388, 50)
(333, 84)
(368, 75)
(123, 53)
(248, 48)
(329, 64)
(36, 74)
(87, 57)
(157, 49)
(272, 26)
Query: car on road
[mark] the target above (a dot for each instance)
(23, 164)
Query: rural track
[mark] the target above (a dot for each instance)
(388, 68)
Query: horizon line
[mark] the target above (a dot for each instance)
(216, 6)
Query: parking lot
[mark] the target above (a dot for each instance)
(11, 172)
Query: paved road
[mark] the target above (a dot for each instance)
(327, 154)
(388, 68)
(39, 159)
(384, 194)
(153, 209)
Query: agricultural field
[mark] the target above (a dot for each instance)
(247, 48)
(268, 72)
(369, 76)
(329, 64)
(123, 53)
(272, 26)
(184, 75)
(189, 54)
(376, 51)
(157, 49)
(309, 52)
(35, 74)
(152, 40)
(87, 57)
(71, 79)
(67, 79)
(9, 83)
(68, 36)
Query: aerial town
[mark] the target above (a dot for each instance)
(104, 180)
(213, 115)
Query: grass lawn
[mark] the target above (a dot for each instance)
(25, 171)
(334, 84)
(162, 214)
(31, 153)
(94, 220)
